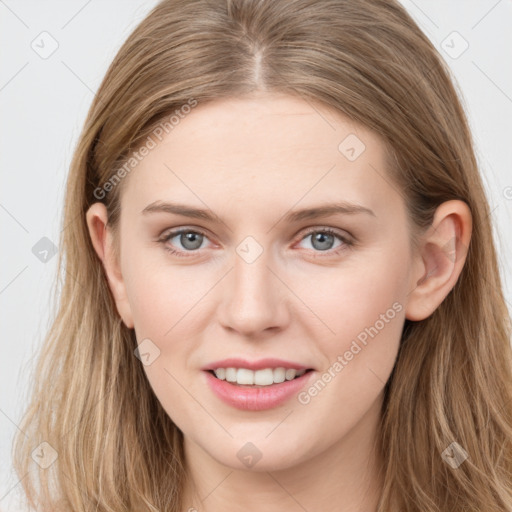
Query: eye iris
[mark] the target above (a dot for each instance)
(321, 237)
(195, 238)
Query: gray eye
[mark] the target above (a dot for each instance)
(321, 241)
(190, 240)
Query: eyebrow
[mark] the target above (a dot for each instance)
(314, 212)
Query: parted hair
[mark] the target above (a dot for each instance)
(117, 449)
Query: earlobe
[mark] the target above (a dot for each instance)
(103, 243)
(440, 259)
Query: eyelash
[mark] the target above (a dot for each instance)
(347, 243)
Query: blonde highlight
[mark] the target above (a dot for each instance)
(117, 448)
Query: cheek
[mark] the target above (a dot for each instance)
(354, 296)
(159, 295)
(365, 310)
(162, 303)
(361, 309)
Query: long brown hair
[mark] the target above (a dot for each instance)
(452, 383)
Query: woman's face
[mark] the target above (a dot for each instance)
(255, 276)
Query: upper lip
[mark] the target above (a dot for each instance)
(260, 364)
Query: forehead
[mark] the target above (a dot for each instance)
(276, 147)
(265, 124)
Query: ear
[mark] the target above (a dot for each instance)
(439, 259)
(103, 242)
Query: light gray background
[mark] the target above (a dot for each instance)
(43, 104)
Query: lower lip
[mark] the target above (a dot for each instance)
(256, 399)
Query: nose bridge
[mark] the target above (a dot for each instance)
(251, 276)
(253, 300)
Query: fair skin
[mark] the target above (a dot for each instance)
(251, 161)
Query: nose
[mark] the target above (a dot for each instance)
(254, 298)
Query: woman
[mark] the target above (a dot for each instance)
(281, 287)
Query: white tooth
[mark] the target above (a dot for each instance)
(231, 374)
(264, 377)
(279, 375)
(220, 373)
(244, 376)
(290, 374)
